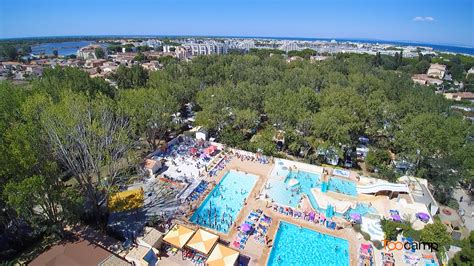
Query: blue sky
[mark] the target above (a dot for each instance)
(429, 21)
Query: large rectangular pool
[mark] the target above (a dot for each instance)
(221, 207)
(295, 245)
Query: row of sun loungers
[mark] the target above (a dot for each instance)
(246, 229)
(194, 257)
(260, 159)
(387, 259)
(262, 229)
(198, 191)
(314, 217)
(220, 166)
(409, 255)
(366, 255)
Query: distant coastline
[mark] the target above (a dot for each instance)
(437, 47)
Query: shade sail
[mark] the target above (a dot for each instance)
(202, 241)
(179, 235)
(222, 256)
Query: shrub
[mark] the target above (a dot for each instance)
(414, 234)
(366, 236)
(452, 203)
(357, 228)
(466, 255)
(390, 229)
(437, 233)
(377, 244)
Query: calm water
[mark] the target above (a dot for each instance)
(221, 207)
(64, 48)
(288, 195)
(294, 245)
(342, 186)
(436, 47)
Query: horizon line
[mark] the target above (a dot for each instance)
(406, 42)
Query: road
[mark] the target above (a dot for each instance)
(469, 210)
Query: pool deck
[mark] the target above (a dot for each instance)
(259, 253)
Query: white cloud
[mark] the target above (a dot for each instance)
(423, 19)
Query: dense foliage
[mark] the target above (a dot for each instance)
(68, 139)
(466, 255)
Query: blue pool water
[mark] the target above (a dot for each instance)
(342, 186)
(294, 245)
(221, 207)
(283, 194)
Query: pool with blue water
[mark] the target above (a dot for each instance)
(285, 194)
(223, 204)
(342, 186)
(295, 245)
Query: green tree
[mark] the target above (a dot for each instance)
(150, 110)
(377, 158)
(9, 52)
(56, 80)
(99, 53)
(391, 229)
(466, 255)
(90, 140)
(129, 78)
(140, 57)
(436, 233)
(37, 196)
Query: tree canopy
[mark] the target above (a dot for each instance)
(67, 126)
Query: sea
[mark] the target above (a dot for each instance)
(71, 47)
(63, 48)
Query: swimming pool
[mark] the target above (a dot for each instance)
(283, 193)
(294, 245)
(342, 186)
(221, 207)
(362, 209)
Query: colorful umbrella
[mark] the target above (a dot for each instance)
(423, 216)
(396, 217)
(355, 216)
(246, 227)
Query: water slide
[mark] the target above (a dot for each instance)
(383, 186)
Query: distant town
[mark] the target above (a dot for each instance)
(236, 151)
(102, 58)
